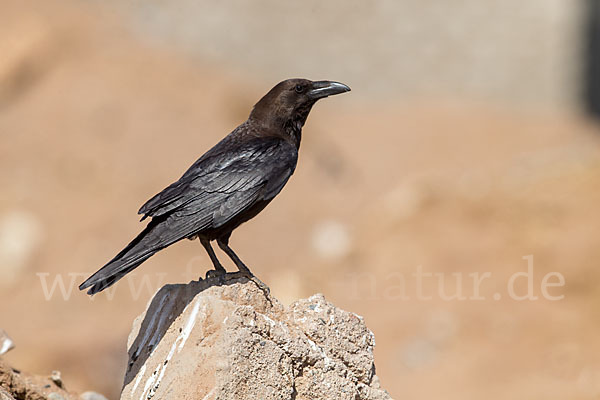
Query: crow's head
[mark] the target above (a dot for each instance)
(289, 102)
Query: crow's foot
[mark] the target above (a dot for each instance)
(216, 273)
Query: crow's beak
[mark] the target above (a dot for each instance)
(322, 89)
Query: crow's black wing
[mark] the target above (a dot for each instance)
(212, 192)
(225, 182)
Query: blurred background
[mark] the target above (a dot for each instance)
(469, 141)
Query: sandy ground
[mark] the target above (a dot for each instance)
(93, 123)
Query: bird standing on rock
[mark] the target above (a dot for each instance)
(228, 185)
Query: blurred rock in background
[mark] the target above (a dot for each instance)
(20, 236)
(505, 51)
(6, 343)
(17, 385)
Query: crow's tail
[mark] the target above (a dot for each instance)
(145, 245)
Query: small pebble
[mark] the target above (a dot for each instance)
(55, 377)
(6, 344)
(92, 396)
(331, 240)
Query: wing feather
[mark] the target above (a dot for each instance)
(219, 187)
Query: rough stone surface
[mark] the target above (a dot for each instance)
(18, 385)
(228, 339)
(4, 395)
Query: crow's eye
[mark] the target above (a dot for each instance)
(299, 88)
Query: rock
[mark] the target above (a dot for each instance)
(231, 340)
(6, 343)
(4, 395)
(92, 396)
(331, 239)
(56, 378)
(20, 236)
(18, 385)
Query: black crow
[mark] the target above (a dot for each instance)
(228, 185)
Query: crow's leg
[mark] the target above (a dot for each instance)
(224, 245)
(223, 242)
(219, 270)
